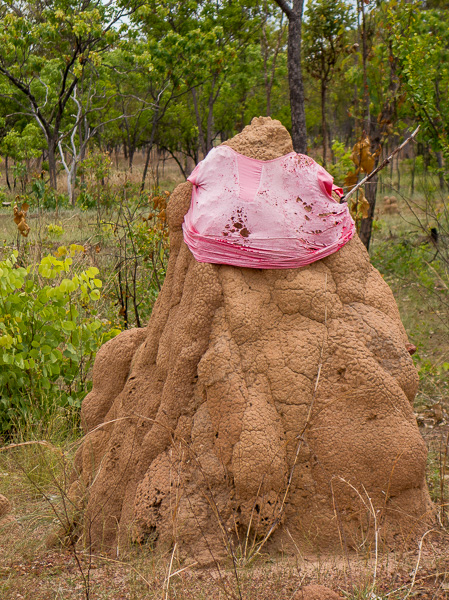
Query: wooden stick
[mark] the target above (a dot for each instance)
(380, 167)
(33, 442)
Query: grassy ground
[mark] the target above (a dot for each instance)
(33, 476)
(32, 567)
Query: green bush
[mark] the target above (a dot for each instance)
(55, 230)
(343, 163)
(45, 197)
(416, 269)
(49, 335)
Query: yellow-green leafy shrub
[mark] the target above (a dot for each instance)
(49, 335)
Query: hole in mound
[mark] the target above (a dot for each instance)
(147, 537)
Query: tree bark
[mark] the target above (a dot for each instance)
(7, 173)
(82, 145)
(199, 123)
(323, 121)
(440, 163)
(210, 116)
(295, 82)
(330, 141)
(145, 168)
(150, 146)
(269, 75)
(52, 162)
(366, 225)
(412, 184)
(366, 94)
(131, 152)
(374, 128)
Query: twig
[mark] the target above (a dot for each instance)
(376, 541)
(209, 549)
(294, 595)
(380, 167)
(341, 533)
(443, 463)
(31, 443)
(387, 493)
(441, 280)
(167, 579)
(183, 569)
(415, 570)
(126, 565)
(370, 508)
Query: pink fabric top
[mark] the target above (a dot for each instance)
(265, 214)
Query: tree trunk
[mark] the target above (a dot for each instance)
(82, 145)
(145, 168)
(7, 173)
(330, 142)
(323, 121)
(52, 163)
(264, 51)
(366, 225)
(150, 146)
(412, 185)
(299, 133)
(131, 152)
(366, 94)
(210, 117)
(70, 188)
(199, 123)
(440, 163)
(72, 177)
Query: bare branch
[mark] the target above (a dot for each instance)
(46, 91)
(27, 92)
(286, 8)
(381, 166)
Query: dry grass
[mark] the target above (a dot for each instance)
(165, 173)
(34, 477)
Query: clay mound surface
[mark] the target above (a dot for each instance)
(259, 409)
(6, 519)
(5, 506)
(316, 592)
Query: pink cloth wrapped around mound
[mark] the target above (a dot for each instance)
(266, 214)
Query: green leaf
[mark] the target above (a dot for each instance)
(18, 361)
(91, 272)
